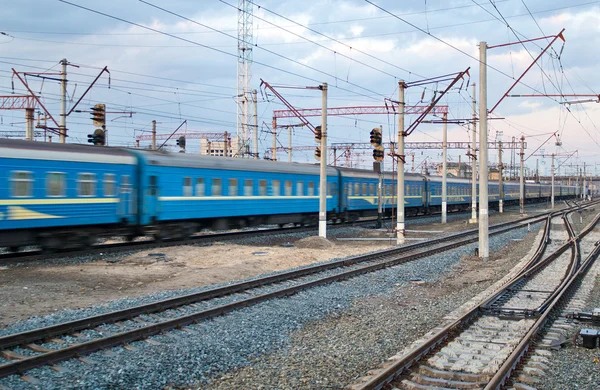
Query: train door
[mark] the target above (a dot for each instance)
(126, 207)
(151, 206)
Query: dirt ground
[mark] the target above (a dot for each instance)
(42, 289)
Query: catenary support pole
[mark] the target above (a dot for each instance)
(225, 146)
(474, 159)
(552, 196)
(274, 145)
(255, 146)
(400, 229)
(62, 128)
(444, 169)
(500, 180)
(522, 178)
(290, 144)
(29, 116)
(323, 173)
(484, 250)
(154, 135)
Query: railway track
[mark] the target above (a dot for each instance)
(482, 348)
(48, 346)
(34, 255)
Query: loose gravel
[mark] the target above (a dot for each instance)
(387, 305)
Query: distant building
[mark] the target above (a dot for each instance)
(230, 148)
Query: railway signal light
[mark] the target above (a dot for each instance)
(318, 134)
(378, 153)
(99, 115)
(376, 137)
(181, 142)
(318, 153)
(98, 138)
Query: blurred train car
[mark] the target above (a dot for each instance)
(66, 195)
(61, 195)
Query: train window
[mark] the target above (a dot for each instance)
(364, 189)
(288, 188)
(22, 184)
(55, 184)
(125, 183)
(86, 183)
(275, 188)
(216, 189)
(356, 189)
(299, 188)
(200, 186)
(248, 187)
(348, 189)
(109, 184)
(311, 188)
(187, 186)
(262, 188)
(233, 187)
(372, 189)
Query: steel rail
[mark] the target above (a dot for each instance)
(94, 345)
(389, 373)
(503, 375)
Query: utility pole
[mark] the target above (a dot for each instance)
(62, 128)
(290, 144)
(552, 170)
(29, 116)
(474, 159)
(583, 190)
(323, 172)
(522, 179)
(484, 249)
(500, 181)
(444, 168)
(225, 145)
(274, 145)
(154, 135)
(400, 176)
(255, 101)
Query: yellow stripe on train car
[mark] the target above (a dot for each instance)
(18, 213)
(52, 201)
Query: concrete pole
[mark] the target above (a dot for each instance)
(225, 149)
(323, 173)
(552, 169)
(500, 181)
(62, 128)
(444, 169)
(583, 191)
(274, 145)
(153, 135)
(522, 178)
(29, 117)
(484, 249)
(400, 229)
(290, 144)
(255, 101)
(474, 159)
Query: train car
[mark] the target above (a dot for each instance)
(182, 193)
(360, 196)
(458, 193)
(62, 195)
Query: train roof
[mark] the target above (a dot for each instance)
(189, 160)
(33, 150)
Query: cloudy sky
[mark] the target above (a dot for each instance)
(176, 60)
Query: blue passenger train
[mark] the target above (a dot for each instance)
(67, 195)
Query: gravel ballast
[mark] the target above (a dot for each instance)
(322, 337)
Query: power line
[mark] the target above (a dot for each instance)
(227, 53)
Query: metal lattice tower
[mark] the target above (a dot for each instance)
(244, 74)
